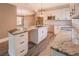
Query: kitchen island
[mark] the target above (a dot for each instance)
(63, 45)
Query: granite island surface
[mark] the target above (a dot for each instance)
(63, 44)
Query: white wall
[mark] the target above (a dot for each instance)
(29, 21)
(60, 14)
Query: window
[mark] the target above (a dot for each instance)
(20, 20)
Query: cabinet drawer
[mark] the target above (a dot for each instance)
(22, 50)
(21, 40)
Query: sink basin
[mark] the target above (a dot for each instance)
(40, 26)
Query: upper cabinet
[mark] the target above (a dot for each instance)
(74, 13)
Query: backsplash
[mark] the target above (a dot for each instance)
(63, 22)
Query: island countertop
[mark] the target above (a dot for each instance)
(22, 29)
(63, 44)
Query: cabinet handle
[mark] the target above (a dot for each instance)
(22, 42)
(42, 31)
(22, 51)
(21, 35)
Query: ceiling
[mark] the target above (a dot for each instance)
(37, 6)
(34, 7)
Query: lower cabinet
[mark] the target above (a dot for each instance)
(39, 34)
(18, 44)
(57, 29)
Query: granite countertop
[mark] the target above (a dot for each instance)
(63, 44)
(18, 30)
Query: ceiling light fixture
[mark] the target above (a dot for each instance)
(41, 11)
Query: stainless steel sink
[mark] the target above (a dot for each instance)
(39, 26)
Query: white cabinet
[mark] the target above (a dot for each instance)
(39, 34)
(75, 22)
(57, 29)
(75, 35)
(74, 7)
(18, 44)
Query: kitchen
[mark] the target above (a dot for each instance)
(33, 29)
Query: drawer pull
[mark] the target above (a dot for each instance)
(21, 35)
(22, 42)
(42, 31)
(22, 51)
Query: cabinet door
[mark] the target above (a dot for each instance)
(34, 36)
(56, 29)
(76, 8)
(42, 33)
(75, 22)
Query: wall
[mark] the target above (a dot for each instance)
(60, 14)
(29, 21)
(7, 19)
(3, 48)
